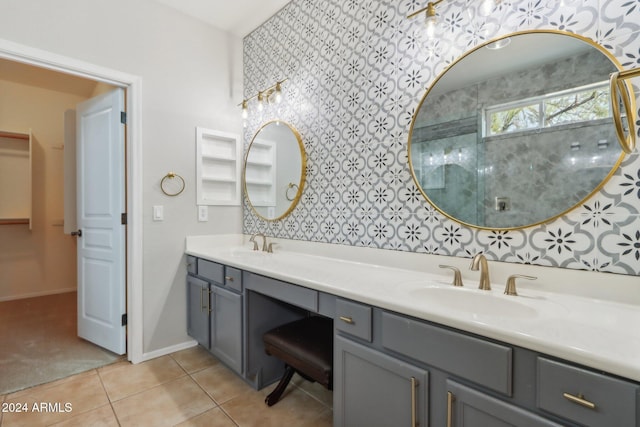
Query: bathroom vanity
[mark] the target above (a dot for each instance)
(410, 349)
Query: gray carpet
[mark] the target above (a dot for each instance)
(39, 342)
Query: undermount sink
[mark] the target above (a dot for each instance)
(247, 253)
(475, 302)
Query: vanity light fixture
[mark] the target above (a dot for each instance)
(272, 94)
(431, 19)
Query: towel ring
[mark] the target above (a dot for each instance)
(171, 187)
(291, 185)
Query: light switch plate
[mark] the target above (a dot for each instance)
(203, 213)
(158, 213)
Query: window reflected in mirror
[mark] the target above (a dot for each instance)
(517, 136)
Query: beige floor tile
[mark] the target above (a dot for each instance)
(165, 405)
(315, 390)
(194, 359)
(101, 417)
(296, 408)
(212, 418)
(221, 383)
(82, 392)
(324, 419)
(125, 379)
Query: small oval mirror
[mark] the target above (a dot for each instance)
(274, 170)
(512, 137)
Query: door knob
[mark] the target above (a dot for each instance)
(77, 233)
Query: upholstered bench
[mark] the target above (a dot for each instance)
(306, 347)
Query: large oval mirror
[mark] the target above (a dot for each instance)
(517, 132)
(274, 170)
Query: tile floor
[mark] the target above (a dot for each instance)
(187, 388)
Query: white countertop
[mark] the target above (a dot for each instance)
(596, 332)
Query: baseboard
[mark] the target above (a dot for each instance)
(38, 294)
(167, 350)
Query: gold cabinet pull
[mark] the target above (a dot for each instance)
(579, 399)
(229, 278)
(347, 319)
(414, 404)
(450, 399)
(202, 306)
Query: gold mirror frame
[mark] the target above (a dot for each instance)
(287, 186)
(628, 104)
(621, 88)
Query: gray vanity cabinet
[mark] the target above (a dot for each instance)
(214, 309)
(198, 310)
(374, 389)
(226, 327)
(467, 407)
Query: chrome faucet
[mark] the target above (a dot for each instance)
(480, 262)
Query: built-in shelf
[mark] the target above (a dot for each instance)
(15, 178)
(218, 167)
(260, 173)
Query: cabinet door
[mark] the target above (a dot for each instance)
(226, 327)
(470, 408)
(198, 308)
(374, 389)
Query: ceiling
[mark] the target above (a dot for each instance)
(238, 17)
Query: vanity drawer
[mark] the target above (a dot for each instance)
(483, 362)
(211, 270)
(191, 265)
(233, 278)
(353, 318)
(570, 392)
(293, 294)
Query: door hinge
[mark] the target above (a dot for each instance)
(123, 218)
(123, 117)
(124, 319)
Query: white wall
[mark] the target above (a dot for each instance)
(191, 76)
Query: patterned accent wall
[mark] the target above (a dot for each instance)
(357, 71)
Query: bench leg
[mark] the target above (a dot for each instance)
(274, 396)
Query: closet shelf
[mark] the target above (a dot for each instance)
(14, 221)
(15, 178)
(14, 135)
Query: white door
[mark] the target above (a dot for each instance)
(101, 234)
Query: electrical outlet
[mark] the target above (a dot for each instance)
(203, 213)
